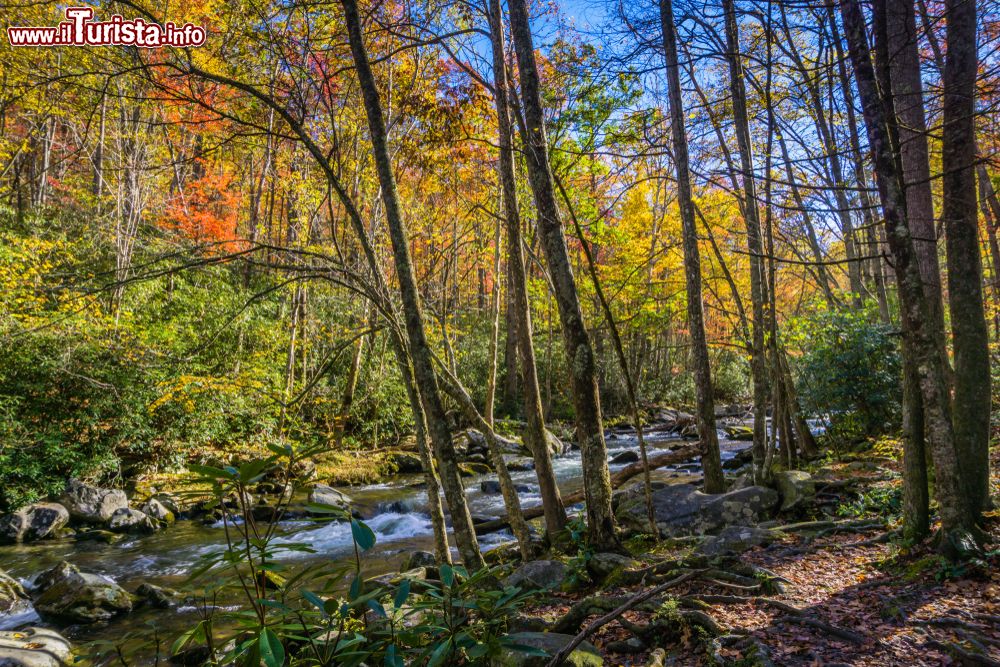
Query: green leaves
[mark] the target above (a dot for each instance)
(363, 536)
(272, 653)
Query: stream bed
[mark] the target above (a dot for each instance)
(395, 510)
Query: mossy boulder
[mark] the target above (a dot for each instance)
(795, 487)
(92, 504)
(682, 509)
(12, 594)
(68, 595)
(34, 522)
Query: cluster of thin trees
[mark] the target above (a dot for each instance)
(856, 151)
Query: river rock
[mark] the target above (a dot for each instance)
(128, 520)
(157, 596)
(681, 509)
(492, 487)
(34, 647)
(170, 502)
(405, 462)
(12, 594)
(473, 469)
(739, 432)
(157, 511)
(33, 522)
(795, 487)
(420, 559)
(321, 494)
(98, 535)
(628, 456)
(556, 446)
(68, 595)
(738, 460)
(735, 540)
(538, 574)
(92, 504)
(584, 655)
(521, 464)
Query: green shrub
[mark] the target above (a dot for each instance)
(848, 371)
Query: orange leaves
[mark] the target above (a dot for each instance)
(206, 211)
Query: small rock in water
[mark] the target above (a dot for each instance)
(538, 574)
(473, 469)
(12, 594)
(492, 487)
(521, 465)
(105, 536)
(128, 520)
(157, 596)
(628, 456)
(71, 596)
(92, 504)
(321, 494)
(33, 522)
(34, 647)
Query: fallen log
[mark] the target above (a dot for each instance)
(683, 454)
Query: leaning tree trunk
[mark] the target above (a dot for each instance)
(579, 350)
(927, 348)
(534, 435)
(754, 245)
(970, 334)
(423, 368)
(714, 482)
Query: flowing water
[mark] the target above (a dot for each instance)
(395, 510)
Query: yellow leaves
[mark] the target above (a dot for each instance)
(185, 389)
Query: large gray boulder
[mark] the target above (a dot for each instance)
(158, 512)
(538, 574)
(681, 509)
(70, 596)
(34, 647)
(321, 494)
(128, 520)
(12, 594)
(584, 655)
(795, 487)
(92, 504)
(33, 522)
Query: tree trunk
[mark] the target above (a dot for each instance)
(751, 216)
(970, 334)
(534, 434)
(579, 351)
(423, 369)
(714, 482)
(927, 348)
(908, 105)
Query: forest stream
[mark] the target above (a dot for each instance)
(395, 510)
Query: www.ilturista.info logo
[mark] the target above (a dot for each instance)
(79, 29)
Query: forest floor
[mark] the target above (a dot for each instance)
(858, 597)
